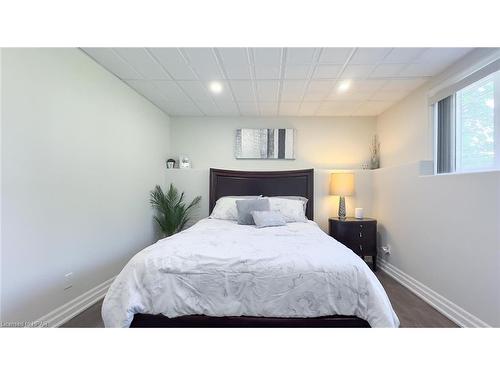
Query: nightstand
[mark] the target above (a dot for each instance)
(359, 235)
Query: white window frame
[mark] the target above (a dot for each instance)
(457, 102)
(496, 100)
(457, 128)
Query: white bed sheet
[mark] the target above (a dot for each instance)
(220, 268)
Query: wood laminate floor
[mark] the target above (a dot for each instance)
(411, 310)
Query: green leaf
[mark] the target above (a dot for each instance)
(173, 213)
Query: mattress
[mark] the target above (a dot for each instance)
(220, 268)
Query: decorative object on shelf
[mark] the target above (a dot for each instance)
(172, 212)
(170, 164)
(358, 213)
(264, 144)
(365, 165)
(375, 153)
(184, 162)
(342, 184)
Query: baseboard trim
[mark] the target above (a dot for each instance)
(449, 309)
(69, 310)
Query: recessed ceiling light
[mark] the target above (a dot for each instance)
(344, 86)
(215, 87)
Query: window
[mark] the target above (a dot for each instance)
(468, 127)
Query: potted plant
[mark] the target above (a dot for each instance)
(172, 212)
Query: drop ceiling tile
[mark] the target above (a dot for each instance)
(209, 108)
(174, 63)
(340, 108)
(351, 105)
(366, 111)
(196, 90)
(267, 90)
(357, 71)
(267, 63)
(165, 107)
(234, 56)
(113, 62)
(318, 90)
(267, 56)
(433, 61)
(335, 55)
(350, 95)
(267, 71)
(148, 89)
(298, 71)
(141, 61)
(369, 55)
(327, 71)
(238, 71)
(329, 109)
(184, 109)
(373, 108)
(292, 90)
(249, 108)
(268, 108)
(367, 85)
(208, 72)
(203, 62)
(389, 95)
(289, 108)
(198, 55)
(393, 79)
(444, 55)
(228, 108)
(224, 95)
(171, 90)
(309, 108)
(300, 56)
(403, 55)
(402, 84)
(387, 70)
(423, 69)
(243, 90)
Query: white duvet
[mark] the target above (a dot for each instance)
(220, 268)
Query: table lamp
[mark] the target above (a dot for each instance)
(342, 184)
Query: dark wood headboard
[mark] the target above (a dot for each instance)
(297, 182)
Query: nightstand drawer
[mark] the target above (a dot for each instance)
(358, 235)
(361, 246)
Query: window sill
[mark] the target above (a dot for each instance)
(481, 171)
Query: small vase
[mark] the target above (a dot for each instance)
(375, 163)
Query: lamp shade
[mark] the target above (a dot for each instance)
(342, 184)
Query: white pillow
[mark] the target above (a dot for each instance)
(225, 207)
(296, 198)
(291, 210)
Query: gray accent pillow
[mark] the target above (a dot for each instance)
(268, 219)
(245, 208)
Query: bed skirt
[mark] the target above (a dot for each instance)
(203, 321)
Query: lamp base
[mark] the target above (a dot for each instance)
(342, 208)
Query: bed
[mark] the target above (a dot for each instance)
(221, 274)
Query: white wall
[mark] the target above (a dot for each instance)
(443, 230)
(80, 153)
(322, 143)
